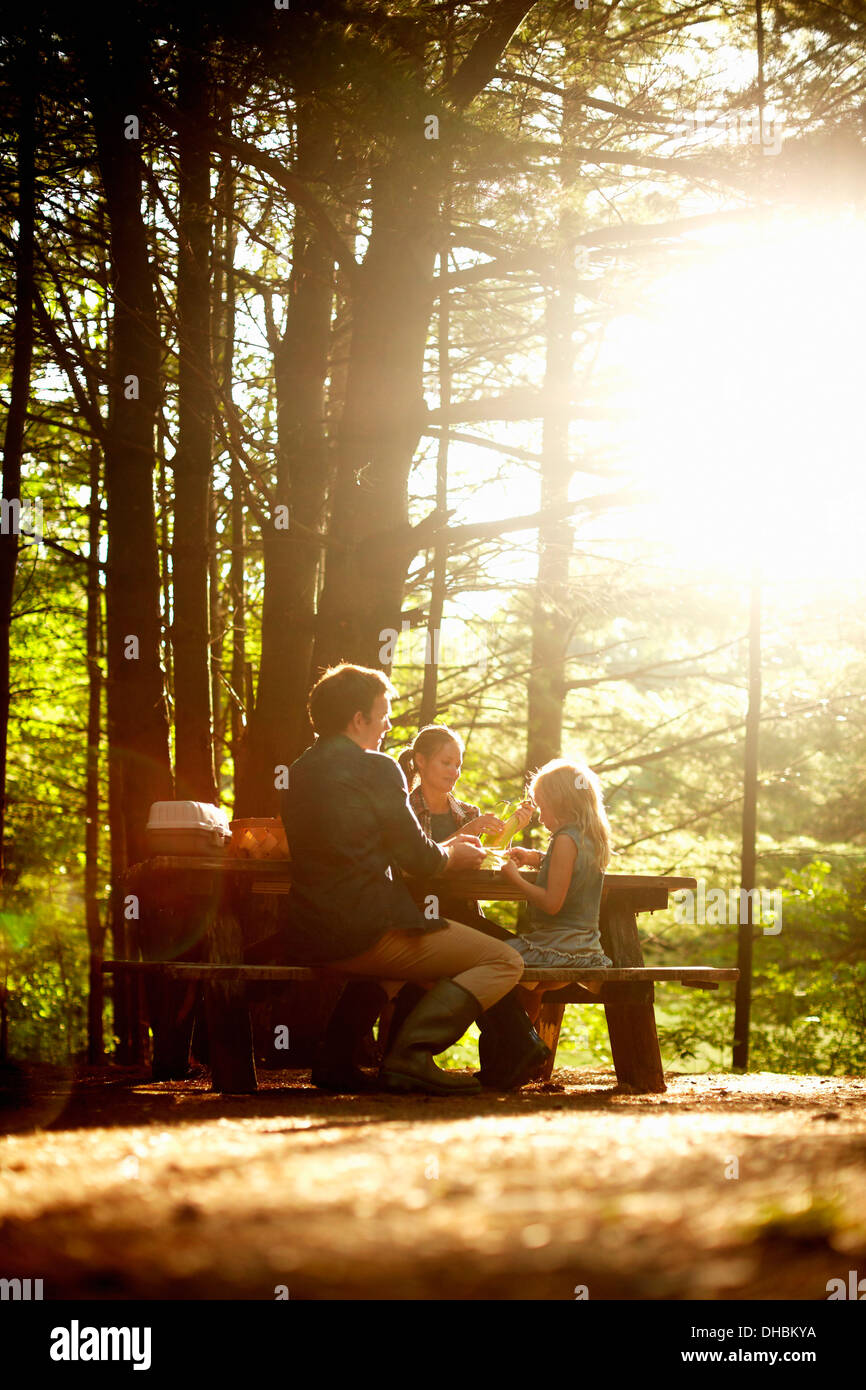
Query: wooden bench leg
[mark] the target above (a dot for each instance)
(547, 1028)
(171, 1022)
(631, 1023)
(634, 1044)
(230, 1035)
(168, 1002)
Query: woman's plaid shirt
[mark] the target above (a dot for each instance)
(461, 811)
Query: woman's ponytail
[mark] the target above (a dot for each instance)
(406, 759)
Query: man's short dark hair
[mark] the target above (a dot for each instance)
(341, 692)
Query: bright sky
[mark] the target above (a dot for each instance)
(746, 375)
(743, 374)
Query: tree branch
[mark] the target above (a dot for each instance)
(296, 190)
(524, 403)
(472, 531)
(479, 65)
(653, 667)
(636, 231)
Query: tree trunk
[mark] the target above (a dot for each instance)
(13, 441)
(438, 586)
(550, 610)
(194, 763)
(95, 929)
(216, 623)
(551, 621)
(234, 721)
(384, 411)
(278, 731)
(137, 716)
(237, 596)
(439, 582)
(124, 1026)
(372, 541)
(749, 858)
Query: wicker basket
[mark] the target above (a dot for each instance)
(259, 837)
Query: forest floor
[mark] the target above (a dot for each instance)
(726, 1186)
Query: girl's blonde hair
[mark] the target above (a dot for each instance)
(574, 795)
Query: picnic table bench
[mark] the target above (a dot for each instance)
(193, 913)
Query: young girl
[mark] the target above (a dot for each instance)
(564, 901)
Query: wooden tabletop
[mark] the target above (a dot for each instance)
(644, 892)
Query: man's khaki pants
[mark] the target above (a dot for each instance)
(487, 968)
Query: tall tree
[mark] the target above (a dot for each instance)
(114, 69)
(277, 730)
(224, 293)
(550, 600)
(194, 761)
(22, 359)
(439, 581)
(92, 916)
(372, 541)
(749, 856)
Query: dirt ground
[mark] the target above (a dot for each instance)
(723, 1187)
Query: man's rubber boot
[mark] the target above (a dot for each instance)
(356, 1011)
(509, 1049)
(410, 995)
(437, 1021)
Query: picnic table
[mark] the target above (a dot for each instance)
(197, 915)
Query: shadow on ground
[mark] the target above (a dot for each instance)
(722, 1187)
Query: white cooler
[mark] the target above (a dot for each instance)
(187, 827)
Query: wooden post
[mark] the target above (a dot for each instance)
(228, 1016)
(121, 985)
(629, 1008)
(631, 1026)
(169, 1007)
(548, 1027)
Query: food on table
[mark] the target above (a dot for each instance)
(493, 858)
(514, 822)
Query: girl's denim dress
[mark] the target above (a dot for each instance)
(570, 938)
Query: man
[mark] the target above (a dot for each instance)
(347, 821)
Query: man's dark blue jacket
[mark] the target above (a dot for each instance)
(347, 820)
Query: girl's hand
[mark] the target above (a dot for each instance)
(482, 825)
(523, 856)
(510, 871)
(526, 810)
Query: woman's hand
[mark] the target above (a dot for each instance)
(482, 825)
(464, 853)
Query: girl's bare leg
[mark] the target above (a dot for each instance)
(530, 997)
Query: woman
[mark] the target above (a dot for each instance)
(509, 1048)
(432, 766)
